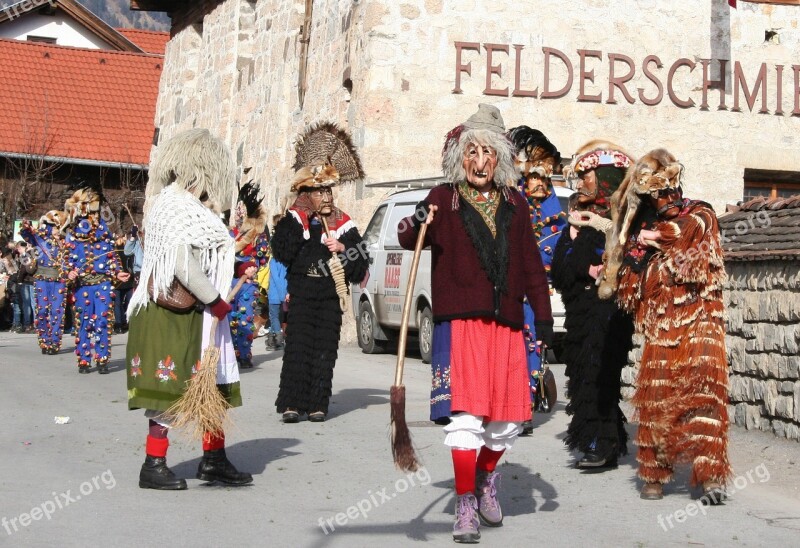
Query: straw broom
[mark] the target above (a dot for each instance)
(402, 449)
(202, 407)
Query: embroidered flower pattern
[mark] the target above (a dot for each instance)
(136, 368)
(441, 378)
(165, 371)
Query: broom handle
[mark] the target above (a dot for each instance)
(412, 278)
(325, 226)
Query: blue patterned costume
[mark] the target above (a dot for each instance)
(548, 220)
(89, 249)
(50, 289)
(245, 303)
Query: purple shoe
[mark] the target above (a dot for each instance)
(465, 531)
(488, 506)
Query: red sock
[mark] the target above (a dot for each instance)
(487, 459)
(212, 442)
(464, 469)
(157, 447)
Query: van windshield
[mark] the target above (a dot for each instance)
(373, 231)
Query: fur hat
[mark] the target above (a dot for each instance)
(535, 153)
(325, 156)
(198, 162)
(55, 217)
(486, 128)
(85, 200)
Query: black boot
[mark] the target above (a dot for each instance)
(156, 475)
(596, 461)
(215, 466)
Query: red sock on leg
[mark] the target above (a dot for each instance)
(157, 447)
(487, 459)
(464, 469)
(212, 442)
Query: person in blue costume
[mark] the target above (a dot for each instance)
(90, 263)
(250, 220)
(537, 160)
(49, 287)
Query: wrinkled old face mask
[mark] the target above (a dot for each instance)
(587, 187)
(479, 164)
(322, 199)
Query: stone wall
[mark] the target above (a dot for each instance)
(762, 299)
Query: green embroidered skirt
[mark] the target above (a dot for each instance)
(163, 352)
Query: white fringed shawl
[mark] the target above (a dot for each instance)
(176, 218)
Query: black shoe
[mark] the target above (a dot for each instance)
(102, 368)
(156, 475)
(527, 428)
(245, 364)
(291, 416)
(117, 330)
(83, 369)
(215, 466)
(45, 351)
(593, 460)
(316, 416)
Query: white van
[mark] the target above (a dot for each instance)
(378, 307)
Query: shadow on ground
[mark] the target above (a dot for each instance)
(251, 456)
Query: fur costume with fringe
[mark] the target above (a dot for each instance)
(682, 389)
(656, 170)
(197, 162)
(596, 346)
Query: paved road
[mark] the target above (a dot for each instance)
(333, 484)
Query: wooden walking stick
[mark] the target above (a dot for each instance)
(202, 406)
(402, 449)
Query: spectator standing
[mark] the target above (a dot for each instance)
(27, 268)
(122, 294)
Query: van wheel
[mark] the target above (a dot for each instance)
(426, 335)
(365, 328)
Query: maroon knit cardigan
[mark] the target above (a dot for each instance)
(473, 275)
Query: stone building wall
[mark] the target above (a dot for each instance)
(386, 70)
(762, 300)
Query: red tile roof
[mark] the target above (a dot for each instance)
(81, 104)
(150, 41)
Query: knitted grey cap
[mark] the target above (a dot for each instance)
(487, 117)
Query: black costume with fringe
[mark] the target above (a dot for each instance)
(596, 346)
(315, 317)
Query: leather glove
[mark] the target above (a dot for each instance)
(219, 308)
(544, 332)
(592, 220)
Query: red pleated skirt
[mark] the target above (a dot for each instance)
(488, 371)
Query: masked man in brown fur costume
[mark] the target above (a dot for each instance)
(671, 279)
(306, 240)
(485, 261)
(598, 334)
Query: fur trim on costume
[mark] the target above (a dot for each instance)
(59, 219)
(656, 170)
(315, 176)
(251, 228)
(492, 252)
(505, 174)
(198, 162)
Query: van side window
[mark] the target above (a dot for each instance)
(398, 213)
(373, 231)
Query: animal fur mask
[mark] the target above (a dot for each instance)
(82, 203)
(55, 217)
